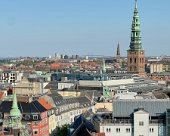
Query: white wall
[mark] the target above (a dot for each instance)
(141, 123)
(114, 130)
(65, 85)
(67, 117)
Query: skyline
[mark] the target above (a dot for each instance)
(40, 28)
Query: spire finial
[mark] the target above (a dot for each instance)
(135, 3)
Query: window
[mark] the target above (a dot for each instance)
(118, 130)
(35, 123)
(141, 123)
(135, 68)
(127, 130)
(35, 117)
(27, 117)
(135, 60)
(35, 132)
(151, 130)
(130, 60)
(130, 68)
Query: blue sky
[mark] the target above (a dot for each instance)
(84, 27)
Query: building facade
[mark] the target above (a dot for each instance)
(135, 118)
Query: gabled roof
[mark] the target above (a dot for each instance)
(6, 106)
(24, 107)
(79, 124)
(39, 106)
(141, 111)
(45, 104)
(155, 107)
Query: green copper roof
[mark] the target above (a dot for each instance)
(136, 43)
(15, 112)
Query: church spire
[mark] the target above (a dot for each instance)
(118, 50)
(15, 111)
(15, 114)
(135, 43)
(103, 67)
(118, 53)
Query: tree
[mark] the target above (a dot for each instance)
(62, 131)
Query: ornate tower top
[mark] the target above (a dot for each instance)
(136, 43)
(15, 112)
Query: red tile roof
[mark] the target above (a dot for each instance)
(101, 134)
(55, 65)
(45, 103)
(1, 95)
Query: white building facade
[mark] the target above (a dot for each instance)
(135, 118)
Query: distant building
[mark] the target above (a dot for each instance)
(156, 67)
(8, 76)
(30, 87)
(66, 57)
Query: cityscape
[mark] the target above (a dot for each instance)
(80, 90)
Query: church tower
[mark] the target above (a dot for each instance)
(118, 54)
(13, 123)
(136, 57)
(15, 114)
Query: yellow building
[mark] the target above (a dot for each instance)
(156, 67)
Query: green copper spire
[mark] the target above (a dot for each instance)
(106, 92)
(15, 112)
(136, 43)
(103, 67)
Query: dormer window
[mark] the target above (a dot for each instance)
(35, 117)
(27, 117)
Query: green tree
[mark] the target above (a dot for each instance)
(62, 131)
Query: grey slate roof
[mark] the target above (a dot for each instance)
(124, 108)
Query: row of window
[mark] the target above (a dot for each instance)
(108, 130)
(68, 114)
(67, 107)
(135, 60)
(35, 117)
(128, 130)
